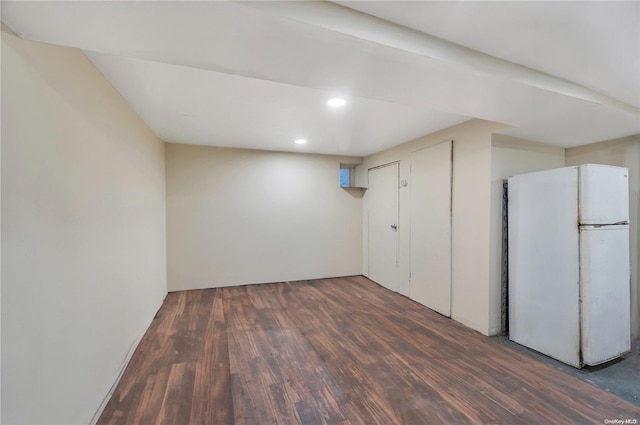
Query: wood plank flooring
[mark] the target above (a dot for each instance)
(337, 352)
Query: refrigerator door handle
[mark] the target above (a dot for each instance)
(597, 226)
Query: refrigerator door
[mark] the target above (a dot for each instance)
(604, 194)
(604, 275)
(544, 269)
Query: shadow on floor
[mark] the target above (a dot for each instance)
(620, 377)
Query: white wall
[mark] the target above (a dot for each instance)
(511, 156)
(83, 233)
(243, 216)
(471, 216)
(623, 153)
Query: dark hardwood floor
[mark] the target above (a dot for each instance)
(337, 351)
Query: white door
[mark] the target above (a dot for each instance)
(604, 194)
(604, 275)
(431, 227)
(382, 197)
(544, 269)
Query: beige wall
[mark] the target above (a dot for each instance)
(243, 216)
(511, 156)
(623, 153)
(83, 233)
(471, 216)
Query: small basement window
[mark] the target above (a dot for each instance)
(347, 175)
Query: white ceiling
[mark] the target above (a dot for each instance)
(593, 43)
(258, 75)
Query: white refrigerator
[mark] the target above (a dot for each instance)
(569, 272)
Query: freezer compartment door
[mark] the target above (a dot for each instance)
(544, 273)
(604, 274)
(604, 194)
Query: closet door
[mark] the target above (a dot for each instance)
(431, 183)
(382, 199)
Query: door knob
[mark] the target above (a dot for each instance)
(394, 226)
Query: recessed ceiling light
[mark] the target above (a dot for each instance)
(337, 102)
(301, 142)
